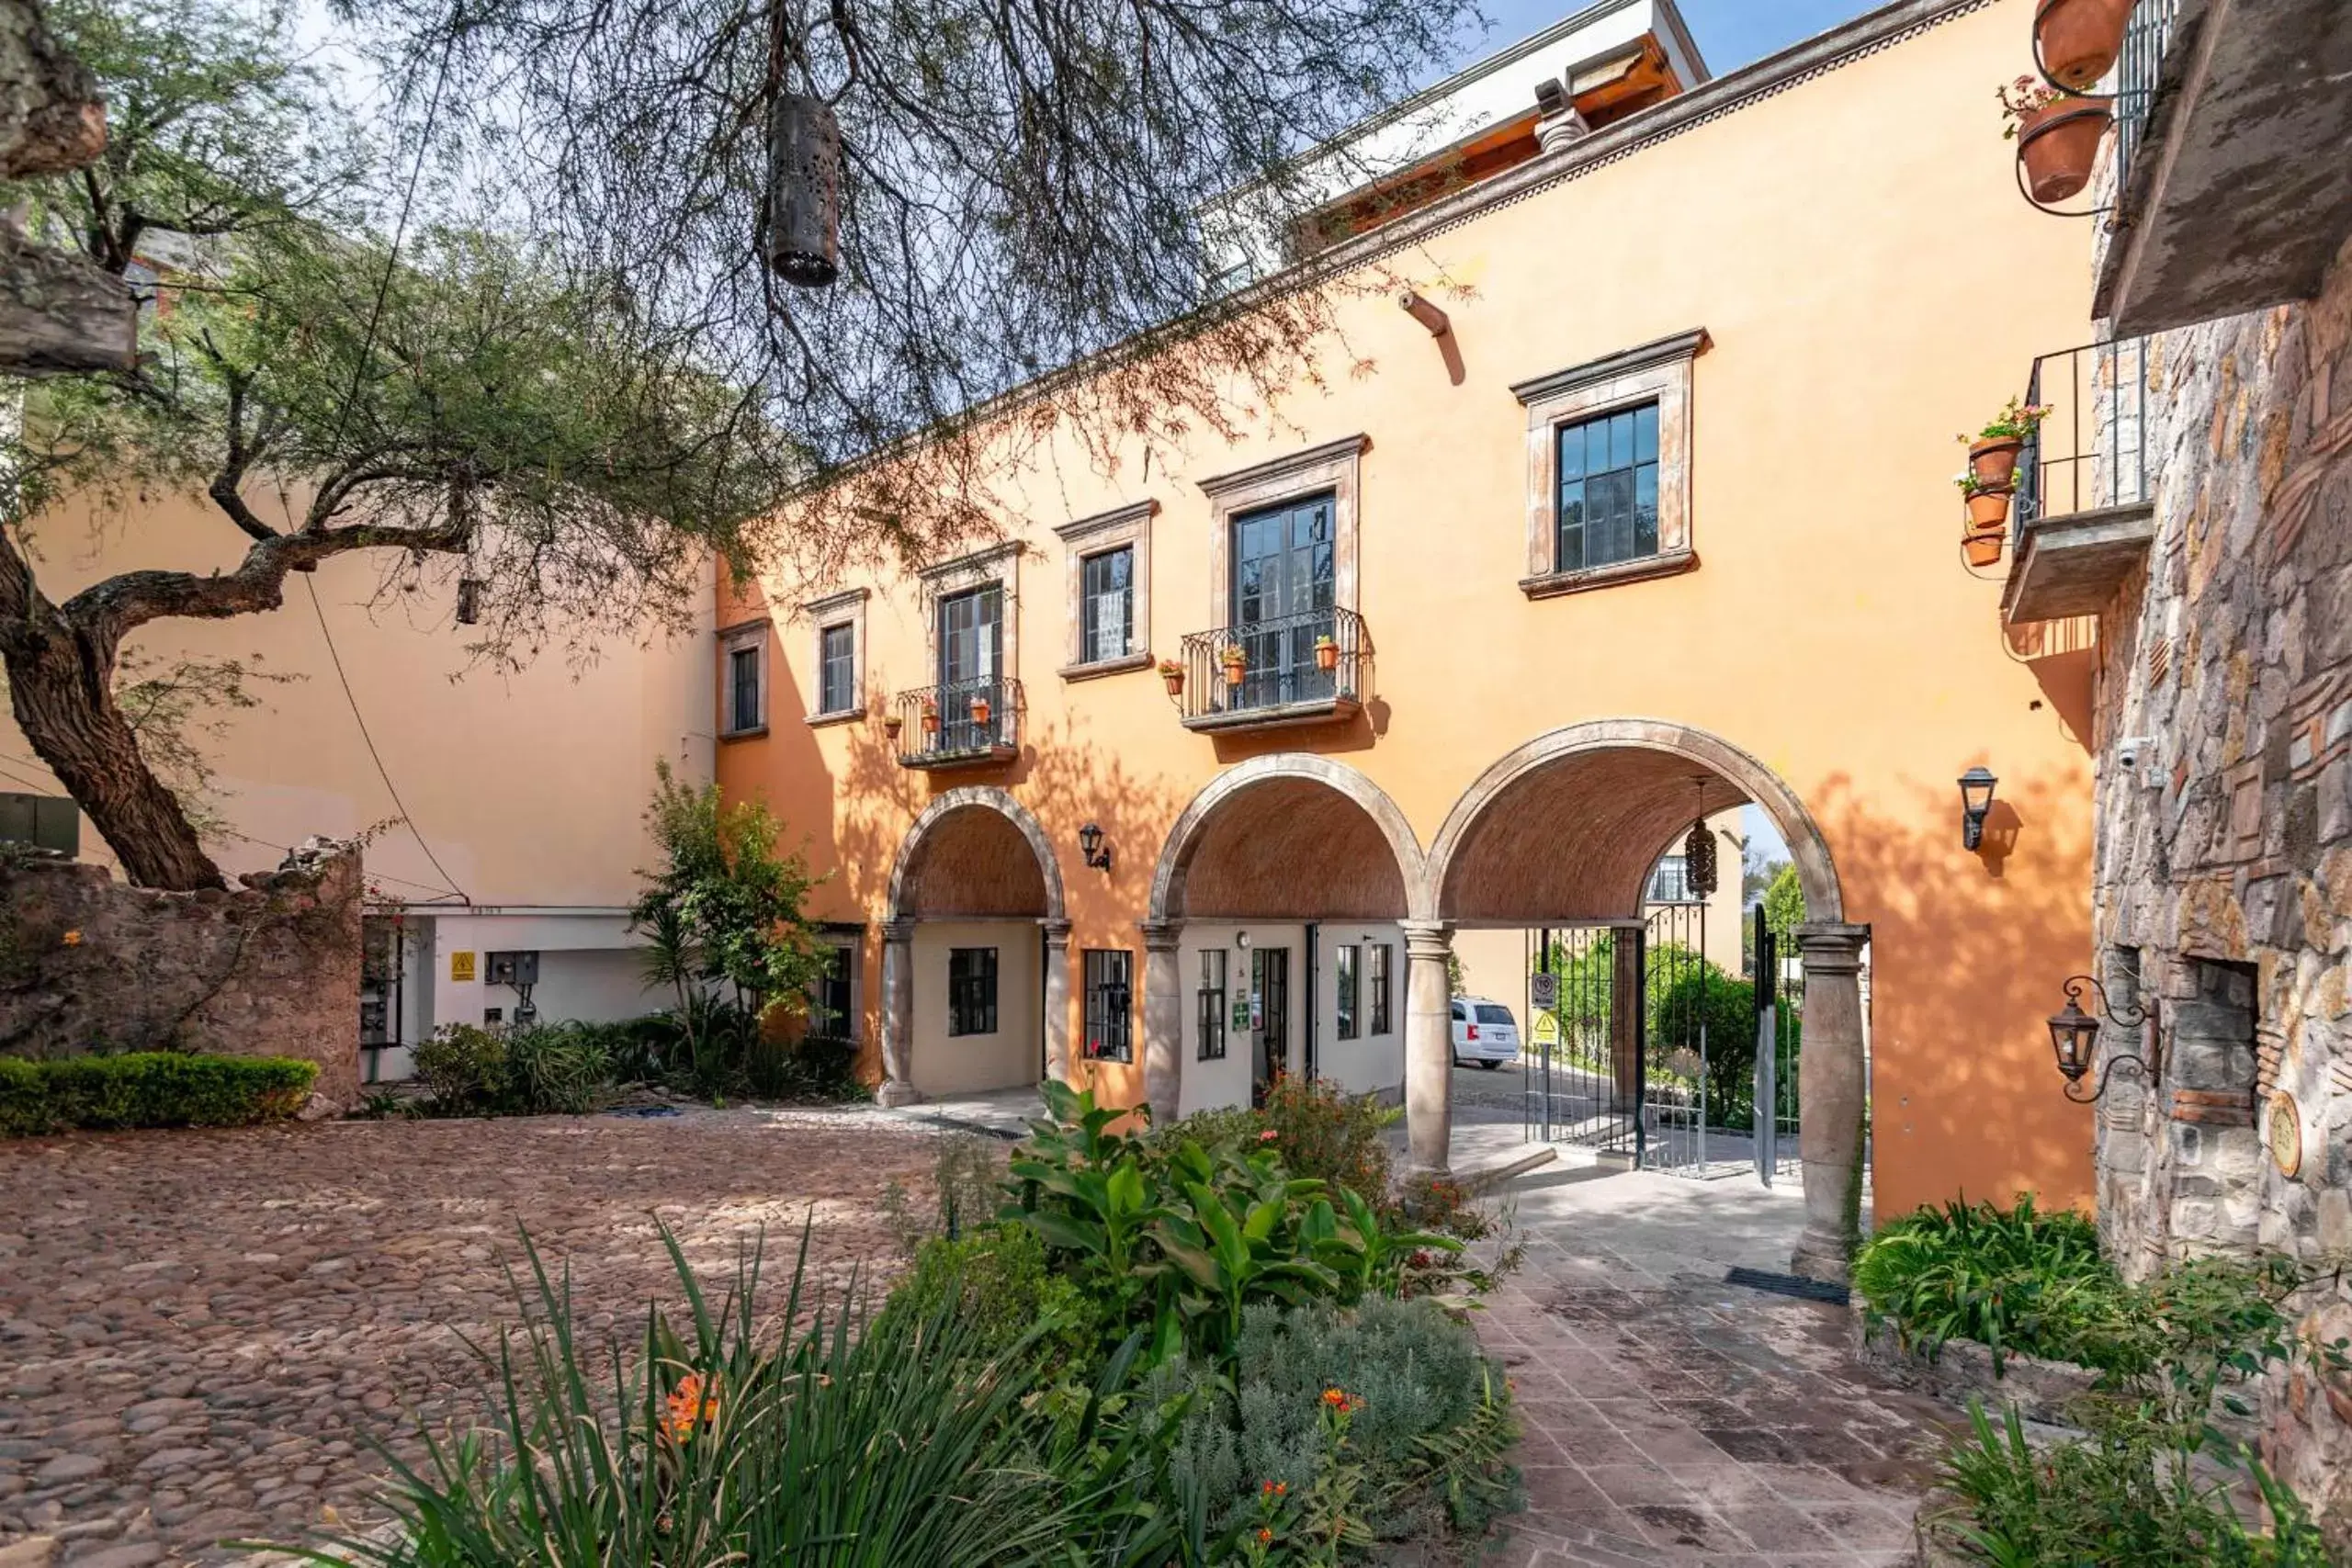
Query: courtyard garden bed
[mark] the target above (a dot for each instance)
(148, 1089)
(1115, 1349)
(2110, 1419)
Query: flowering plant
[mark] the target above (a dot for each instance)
(2024, 98)
(1971, 485)
(2014, 422)
(1170, 667)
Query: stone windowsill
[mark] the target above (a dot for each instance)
(1101, 667)
(1552, 584)
(934, 761)
(758, 733)
(1281, 715)
(839, 715)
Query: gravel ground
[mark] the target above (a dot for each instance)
(199, 1331)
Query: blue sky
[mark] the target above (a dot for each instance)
(1730, 32)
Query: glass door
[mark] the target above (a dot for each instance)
(1269, 1016)
(971, 684)
(1283, 581)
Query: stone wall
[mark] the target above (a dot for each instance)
(267, 969)
(2223, 893)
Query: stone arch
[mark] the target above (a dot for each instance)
(942, 872)
(1631, 782)
(1313, 805)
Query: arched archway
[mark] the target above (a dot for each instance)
(1292, 843)
(1567, 827)
(976, 861)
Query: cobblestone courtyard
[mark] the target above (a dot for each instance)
(197, 1330)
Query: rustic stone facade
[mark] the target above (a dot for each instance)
(267, 969)
(2223, 898)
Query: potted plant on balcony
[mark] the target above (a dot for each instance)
(979, 708)
(1235, 662)
(930, 717)
(891, 725)
(1993, 451)
(1327, 653)
(2058, 136)
(1172, 674)
(1988, 515)
(2077, 40)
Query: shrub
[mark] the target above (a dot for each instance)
(1323, 1132)
(556, 1067)
(148, 1089)
(1703, 995)
(2017, 1280)
(967, 1185)
(995, 1280)
(462, 1068)
(1429, 1421)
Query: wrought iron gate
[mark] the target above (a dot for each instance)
(1682, 1098)
(1581, 1063)
(1776, 972)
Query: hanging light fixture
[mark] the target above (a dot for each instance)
(1698, 852)
(1975, 805)
(2073, 1038)
(803, 238)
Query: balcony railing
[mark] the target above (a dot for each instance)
(2137, 72)
(2091, 451)
(1302, 669)
(959, 723)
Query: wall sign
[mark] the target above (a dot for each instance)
(1240, 1014)
(1543, 990)
(2283, 1131)
(461, 966)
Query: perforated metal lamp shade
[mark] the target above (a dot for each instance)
(2074, 1035)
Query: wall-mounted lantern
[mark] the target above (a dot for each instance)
(2073, 1036)
(1090, 840)
(1975, 805)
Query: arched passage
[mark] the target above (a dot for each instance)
(1312, 857)
(1565, 829)
(975, 918)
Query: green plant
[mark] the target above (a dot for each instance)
(2017, 420)
(911, 1441)
(2017, 1280)
(148, 1089)
(995, 1280)
(967, 1184)
(1701, 996)
(554, 1068)
(463, 1068)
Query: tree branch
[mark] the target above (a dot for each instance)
(131, 598)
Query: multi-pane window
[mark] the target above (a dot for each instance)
(1344, 968)
(830, 1006)
(837, 669)
(972, 990)
(1211, 1004)
(1670, 883)
(1377, 958)
(1608, 502)
(1110, 1030)
(1107, 605)
(743, 710)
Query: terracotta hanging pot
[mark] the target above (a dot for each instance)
(1236, 667)
(2059, 142)
(2077, 40)
(892, 725)
(1327, 656)
(1988, 510)
(1173, 678)
(1994, 460)
(979, 710)
(1983, 549)
(930, 720)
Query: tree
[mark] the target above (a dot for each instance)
(1784, 906)
(472, 403)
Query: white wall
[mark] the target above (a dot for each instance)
(967, 1064)
(1370, 1063)
(1366, 1064)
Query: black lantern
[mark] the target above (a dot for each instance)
(1975, 804)
(2073, 1036)
(803, 238)
(1090, 840)
(468, 601)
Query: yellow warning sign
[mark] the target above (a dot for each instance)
(461, 966)
(1547, 1029)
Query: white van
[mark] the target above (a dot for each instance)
(1484, 1033)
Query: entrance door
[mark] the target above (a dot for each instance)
(971, 655)
(1270, 1017)
(1283, 574)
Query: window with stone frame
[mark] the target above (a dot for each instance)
(836, 668)
(832, 1003)
(1379, 960)
(743, 671)
(1609, 458)
(1107, 605)
(972, 990)
(1109, 1005)
(837, 646)
(1345, 960)
(1108, 558)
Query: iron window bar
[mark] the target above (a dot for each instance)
(943, 725)
(1280, 667)
(2138, 70)
(2091, 450)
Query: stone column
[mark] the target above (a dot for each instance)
(897, 1014)
(1626, 1002)
(1056, 934)
(1163, 1020)
(1830, 1084)
(1429, 1046)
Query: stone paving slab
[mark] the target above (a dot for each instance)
(1672, 1418)
(199, 1331)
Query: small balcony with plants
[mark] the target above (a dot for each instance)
(958, 723)
(2060, 481)
(1304, 668)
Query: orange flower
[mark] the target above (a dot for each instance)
(1339, 1400)
(1265, 1536)
(689, 1406)
(1276, 1488)
(73, 939)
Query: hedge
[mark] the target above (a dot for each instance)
(151, 1089)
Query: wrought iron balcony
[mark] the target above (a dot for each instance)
(959, 723)
(2137, 71)
(1302, 669)
(2082, 518)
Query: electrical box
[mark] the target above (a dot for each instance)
(511, 968)
(44, 821)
